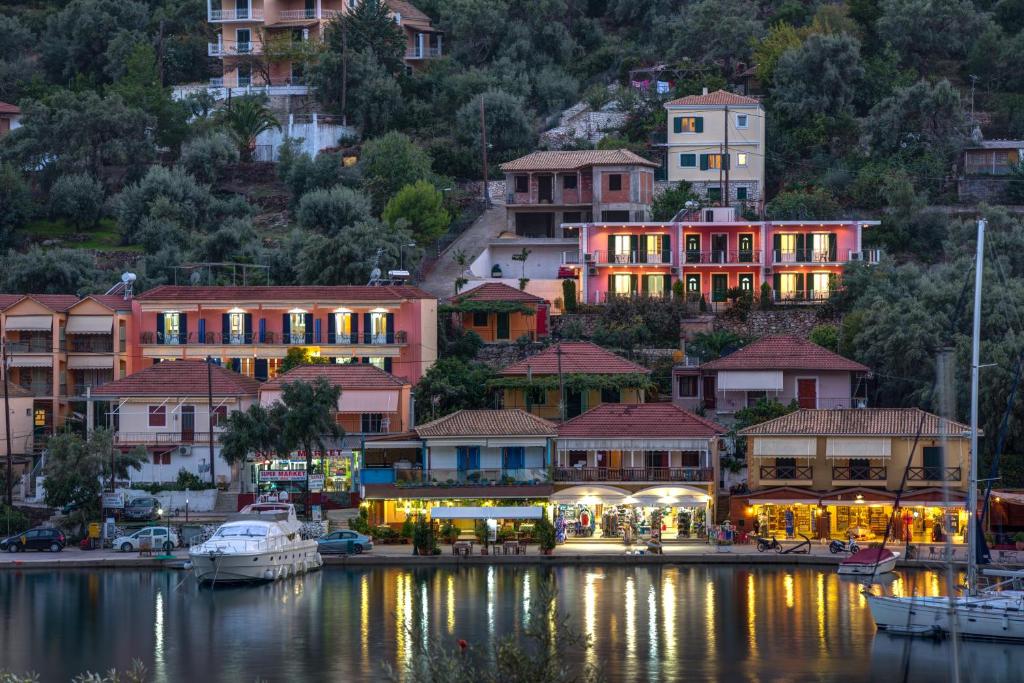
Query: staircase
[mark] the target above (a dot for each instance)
(227, 503)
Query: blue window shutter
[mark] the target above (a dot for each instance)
(225, 328)
(387, 365)
(159, 328)
(355, 330)
(677, 124)
(260, 369)
(367, 329)
(286, 328)
(263, 330)
(316, 331)
(331, 334)
(248, 328)
(202, 331)
(699, 124)
(184, 328)
(309, 328)
(236, 364)
(391, 327)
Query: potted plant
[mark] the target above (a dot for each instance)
(423, 537)
(449, 532)
(408, 526)
(496, 270)
(480, 531)
(544, 532)
(1018, 540)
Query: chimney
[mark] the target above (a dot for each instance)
(705, 91)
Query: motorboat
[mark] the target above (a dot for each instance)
(261, 543)
(869, 562)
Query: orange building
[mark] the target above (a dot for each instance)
(499, 313)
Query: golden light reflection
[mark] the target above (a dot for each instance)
(424, 615)
(709, 618)
(158, 636)
(526, 598)
(652, 621)
(631, 620)
(751, 616)
(590, 614)
(451, 603)
(787, 584)
(820, 589)
(668, 620)
(364, 618)
(491, 597)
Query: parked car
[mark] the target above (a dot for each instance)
(40, 538)
(344, 542)
(162, 537)
(144, 509)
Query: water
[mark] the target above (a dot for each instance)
(650, 623)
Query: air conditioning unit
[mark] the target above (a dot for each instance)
(588, 257)
(184, 450)
(856, 256)
(592, 271)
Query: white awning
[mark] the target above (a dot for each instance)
(749, 380)
(90, 362)
(785, 447)
(20, 361)
(858, 448)
(484, 512)
(29, 323)
(90, 324)
(354, 401)
(669, 495)
(589, 493)
(795, 500)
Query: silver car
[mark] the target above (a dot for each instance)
(161, 537)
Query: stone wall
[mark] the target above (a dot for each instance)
(797, 321)
(502, 355)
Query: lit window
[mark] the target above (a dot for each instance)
(741, 159)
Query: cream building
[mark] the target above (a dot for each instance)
(700, 151)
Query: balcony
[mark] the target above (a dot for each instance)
(293, 14)
(30, 346)
(88, 344)
(605, 297)
(865, 255)
(933, 474)
(604, 258)
(163, 438)
(571, 258)
(644, 474)
(233, 49)
(240, 14)
(423, 53)
(788, 472)
(38, 388)
(477, 477)
(859, 473)
(804, 256)
(270, 339)
(719, 257)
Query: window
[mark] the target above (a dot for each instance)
(158, 416)
(714, 161)
(377, 362)
(787, 286)
(693, 248)
(220, 416)
(693, 283)
(536, 396)
(611, 396)
(687, 160)
(622, 249)
(746, 282)
(513, 457)
(688, 124)
(822, 248)
(372, 423)
(741, 193)
(236, 328)
(243, 37)
(742, 121)
(297, 324)
(656, 458)
(244, 75)
(479, 319)
(622, 285)
(689, 458)
(172, 328)
(39, 418)
(820, 284)
(614, 182)
(522, 184)
(714, 194)
(343, 328)
(754, 396)
(686, 386)
(378, 328)
(161, 457)
(741, 159)
(569, 182)
(655, 285)
(787, 248)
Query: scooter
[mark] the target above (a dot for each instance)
(764, 544)
(837, 546)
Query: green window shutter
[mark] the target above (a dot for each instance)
(667, 280)
(801, 254)
(704, 162)
(777, 283)
(666, 249)
(633, 284)
(832, 246)
(611, 284)
(688, 160)
(699, 124)
(799, 285)
(611, 249)
(677, 124)
(642, 250)
(634, 247)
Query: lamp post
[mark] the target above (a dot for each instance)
(401, 255)
(186, 506)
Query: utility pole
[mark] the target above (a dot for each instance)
(7, 429)
(721, 162)
(483, 149)
(343, 27)
(561, 383)
(725, 161)
(209, 406)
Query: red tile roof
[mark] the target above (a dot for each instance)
(507, 422)
(288, 294)
(497, 291)
(571, 160)
(641, 421)
(180, 378)
(410, 13)
(718, 97)
(859, 422)
(347, 376)
(577, 357)
(784, 353)
(55, 302)
(7, 108)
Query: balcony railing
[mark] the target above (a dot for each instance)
(89, 344)
(629, 258)
(31, 346)
(240, 14)
(38, 388)
(476, 477)
(687, 474)
(305, 13)
(795, 296)
(222, 49)
(859, 473)
(791, 472)
(269, 338)
(571, 258)
(722, 256)
(865, 255)
(163, 438)
(605, 297)
(933, 474)
(804, 256)
(423, 53)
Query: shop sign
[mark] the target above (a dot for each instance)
(282, 475)
(113, 501)
(316, 483)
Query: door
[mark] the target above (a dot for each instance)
(188, 423)
(746, 244)
(693, 248)
(573, 403)
(544, 189)
(243, 40)
(719, 248)
(693, 287)
(503, 325)
(241, 9)
(719, 286)
(807, 393)
(933, 463)
(709, 392)
(746, 283)
(542, 320)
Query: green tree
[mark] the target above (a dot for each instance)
(819, 77)
(923, 30)
(91, 38)
(717, 31)
(809, 204)
(391, 162)
(1015, 186)
(302, 173)
(209, 156)
(452, 384)
(50, 271)
(371, 27)
(673, 200)
(711, 345)
(298, 356)
(78, 199)
(780, 39)
(308, 422)
(171, 196)
(245, 119)
(923, 116)
(140, 87)
(235, 240)
(16, 206)
(421, 206)
(762, 411)
(350, 255)
(826, 336)
(509, 129)
(329, 211)
(257, 429)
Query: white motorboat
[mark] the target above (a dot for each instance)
(869, 562)
(260, 543)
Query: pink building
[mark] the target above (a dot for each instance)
(250, 329)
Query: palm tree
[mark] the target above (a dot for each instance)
(245, 118)
(308, 420)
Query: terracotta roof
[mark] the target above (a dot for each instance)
(55, 302)
(180, 378)
(347, 376)
(577, 357)
(858, 422)
(410, 13)
(570, 160)
(784, 353)
(7, 108)
(719, 97)
(507, 422)
(640, 421)
(390, 491)
(301, 293)
(497, 291)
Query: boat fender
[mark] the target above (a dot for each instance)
(268, 575)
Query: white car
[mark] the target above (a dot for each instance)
(163, 538)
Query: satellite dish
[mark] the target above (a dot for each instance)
(128, 277)
(375, 273)
(195, 277)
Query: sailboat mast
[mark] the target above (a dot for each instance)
(972, 490)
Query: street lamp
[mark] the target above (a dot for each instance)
(401, 255)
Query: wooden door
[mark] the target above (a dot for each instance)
(709, 393)
(807, 393)
(188, 423)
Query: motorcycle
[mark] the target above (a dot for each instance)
(837, 546)
(764, 544)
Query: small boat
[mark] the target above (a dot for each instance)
(869, 561)
(260, 543)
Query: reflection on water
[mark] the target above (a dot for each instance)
(658, 622)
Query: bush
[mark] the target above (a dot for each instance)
(167, 195)
(12, 520)
(569, 296)
(449, 532)
(408, 527)
(329, 211)
(422, 207)
(423, 536)
(360, 524)
(670, 202)
(15, 204)
(78, 199)
(544, 533)
(208, 156)
(826, 336)
(811, 204)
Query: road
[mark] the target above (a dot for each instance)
(440, 280)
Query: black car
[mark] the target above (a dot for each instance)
(144, 509)
(40, 538)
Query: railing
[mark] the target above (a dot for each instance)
(802, 295)
(794, 472)
(38, 388)
(164, 438)
(803, 256)
(306, 13)
(687, 474)
(933, 474)
(424, 53)
(222, 49)
(79, 388)
(269, 338)
(89, 344)
(605, 297)
(722, 256)
(241, 14)
(31, 346)
(859, 473)
(833, 403)
(477, 477)
(571, 258)
(629, 258)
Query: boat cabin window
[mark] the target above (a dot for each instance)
(241, 532)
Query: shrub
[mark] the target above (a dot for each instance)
(826, 336)
(449, 532)
(78, 199)
(15, 203)
(408, 527)
(544, 532)
(423, 536)
(328, 211)
(766, 296)
(569, 296)
(360, 523)
(208, 156)
(12, 520)
(422, 207)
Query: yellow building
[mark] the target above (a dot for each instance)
(826, 473)
(718, 139)
(499, 313)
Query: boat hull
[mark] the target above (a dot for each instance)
(882, 567)
(270, 565)
(986, 617)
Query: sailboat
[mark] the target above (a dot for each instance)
(996, 612)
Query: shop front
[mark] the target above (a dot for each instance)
(333, 475)
(783, 513)
(665, 513)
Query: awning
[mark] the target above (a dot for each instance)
(749, 380)
(353, 401)
(19, 361)
(794, 500)
(90, 362)
(90, 324)
(608, 495)
(858, 448)
(29, 323)
(1014, 497)
(669, 495)
(484, 512)
(785, 447)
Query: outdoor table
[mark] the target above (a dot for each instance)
(462, 547)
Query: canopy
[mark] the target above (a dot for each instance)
(19, 361)
(356, 401)
(785, 447)
(809, 500)
(29, 323)
(91, 362)
(669, 495)
(858, 448)
(590, 494)
(90, 324)
(485, 512)
(749, 380)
